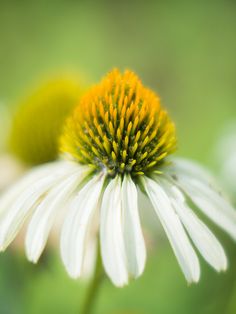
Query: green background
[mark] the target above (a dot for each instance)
(184, 50)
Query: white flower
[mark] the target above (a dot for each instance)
(117, 153)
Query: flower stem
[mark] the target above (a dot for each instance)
(93, 288)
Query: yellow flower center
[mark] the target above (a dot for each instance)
(119, 126)
(38, 121)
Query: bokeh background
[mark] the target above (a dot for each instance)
(185, 50)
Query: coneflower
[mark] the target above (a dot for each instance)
(116, 144)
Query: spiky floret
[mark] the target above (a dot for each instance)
(38, 121)
(119, 125)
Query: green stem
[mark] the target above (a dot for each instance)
(93, 288)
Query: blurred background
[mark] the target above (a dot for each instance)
(185, 51)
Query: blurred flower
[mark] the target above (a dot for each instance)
(226, 157)
(38, 121)
(118, 140)
(31, 135)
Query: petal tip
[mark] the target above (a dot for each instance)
(193, 281)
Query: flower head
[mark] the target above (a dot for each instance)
(38, 121)
(120, 126)
(118, 140)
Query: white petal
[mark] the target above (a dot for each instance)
(133, 237)
(13, 217)
(27, 180)
(78, 224)
(11, 194)
(111, 234)
(192, 169)
(11, 169)
(211, 204)
(203, 238)
(179, 241)
(44, 216)
(90, 256)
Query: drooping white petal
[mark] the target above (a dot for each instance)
(192, 169)
(211, 203)
(11, 195)
(90, 256)
(179, 241)
(111, 234)
(44, 215)
(133, 237)
(203, 238)
(13, 217)
(78, 224)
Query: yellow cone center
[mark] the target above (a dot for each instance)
(119, 126)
